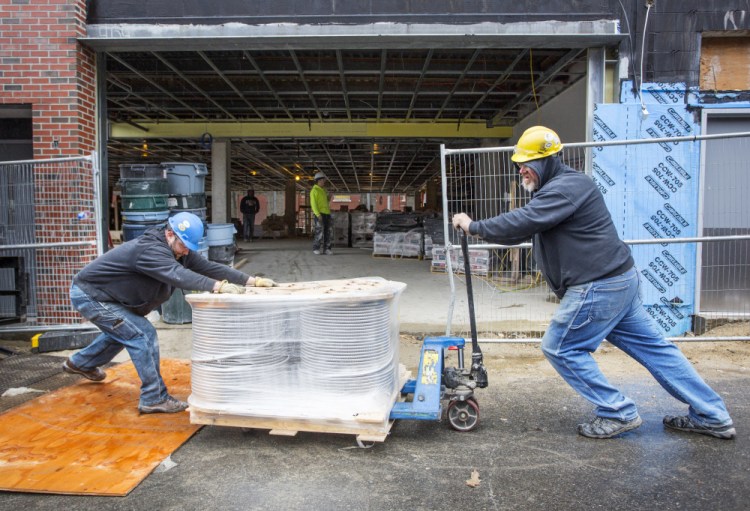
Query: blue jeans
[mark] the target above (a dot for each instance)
(121, 328)
(612, 308)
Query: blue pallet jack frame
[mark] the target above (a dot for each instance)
(436, 383)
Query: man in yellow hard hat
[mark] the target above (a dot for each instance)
(577, 249)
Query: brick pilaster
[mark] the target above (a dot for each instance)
(43, 64)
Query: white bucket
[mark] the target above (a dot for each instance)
(221, 234)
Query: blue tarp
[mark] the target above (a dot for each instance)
(652, 192)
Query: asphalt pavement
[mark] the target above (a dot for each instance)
(525, 449)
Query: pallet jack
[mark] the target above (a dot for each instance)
(436, 383)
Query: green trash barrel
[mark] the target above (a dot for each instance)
(176, 310)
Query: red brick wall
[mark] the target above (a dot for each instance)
(43, 64)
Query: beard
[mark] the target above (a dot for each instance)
(528, 185)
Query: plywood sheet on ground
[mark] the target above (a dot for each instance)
(89, 438)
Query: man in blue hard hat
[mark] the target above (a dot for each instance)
(117, 290)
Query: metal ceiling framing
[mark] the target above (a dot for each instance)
(372, 119)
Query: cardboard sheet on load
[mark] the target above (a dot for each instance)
(322, 291)
(89, 439)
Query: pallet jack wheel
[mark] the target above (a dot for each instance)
(463, 415)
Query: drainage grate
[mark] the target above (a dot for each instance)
(24, 370)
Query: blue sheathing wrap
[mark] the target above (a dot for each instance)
(652, 192)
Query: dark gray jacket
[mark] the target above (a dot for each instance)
(249, 205)
(574, 239)
(142, 273)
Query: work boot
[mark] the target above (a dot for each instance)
(95, 374)
(604, 427)
(685, 423)
(169, 405)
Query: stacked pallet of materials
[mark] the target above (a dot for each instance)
(398, 235)
(399, 244)
(434, 230)
(479, 259)
(362, 227)
(341, 229)
(311, 356)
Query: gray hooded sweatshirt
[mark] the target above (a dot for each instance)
(574, 239)
(142, 273)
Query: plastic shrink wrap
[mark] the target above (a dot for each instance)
(312, 351)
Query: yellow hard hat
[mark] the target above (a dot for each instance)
(535, 143)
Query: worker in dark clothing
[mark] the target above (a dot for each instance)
(249, 206)
(118, 289)
(567, 220)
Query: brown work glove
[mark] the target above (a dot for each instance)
(264, 282)
(227, 287)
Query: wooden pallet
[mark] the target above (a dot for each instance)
(364, 432)
(458, 271)
(398, 256)
(366, 429)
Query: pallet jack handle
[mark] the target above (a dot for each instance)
(478, 372)
(470, 293)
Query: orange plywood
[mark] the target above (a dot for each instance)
(89, 438)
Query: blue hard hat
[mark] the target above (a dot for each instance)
(187, 227)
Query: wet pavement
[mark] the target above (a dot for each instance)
(525, 450)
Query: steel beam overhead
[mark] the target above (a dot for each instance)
(296, 99)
